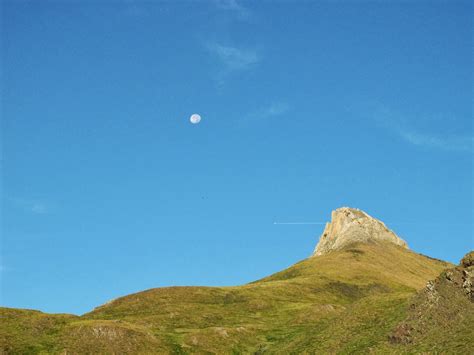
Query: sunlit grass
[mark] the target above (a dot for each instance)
(345, 302)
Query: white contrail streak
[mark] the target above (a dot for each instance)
(299, 223)
(394, 223)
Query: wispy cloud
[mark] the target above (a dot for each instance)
(234, 6)
(32, 206)
(397, 124)
(131, 9)
(232, 59)
(272, 110)
(446, 143)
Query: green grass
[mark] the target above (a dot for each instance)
(343, 302)
(30, 332)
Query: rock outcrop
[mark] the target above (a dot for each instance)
(448, 299)
(349, 226)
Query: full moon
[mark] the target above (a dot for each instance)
(195, 118)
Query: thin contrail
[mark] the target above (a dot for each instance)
(299, 222)
(391, 223)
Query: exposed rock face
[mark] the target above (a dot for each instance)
(350, 225)
(448, 299)
(468, 260)
(467, 267)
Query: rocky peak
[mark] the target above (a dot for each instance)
(350, 225)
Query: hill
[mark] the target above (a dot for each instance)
(350, 299)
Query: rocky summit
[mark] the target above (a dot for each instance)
(349, 226)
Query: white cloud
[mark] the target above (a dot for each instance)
(234, 58)
(397, 124)
(39, 208)
(234, 6)
(272, 110)
(32, 206)
(275, 109)
(445, 143)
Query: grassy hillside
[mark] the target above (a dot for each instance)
(30, 332)
(345, 301)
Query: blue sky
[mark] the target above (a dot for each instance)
(107, 188)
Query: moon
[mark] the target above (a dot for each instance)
(195, 118)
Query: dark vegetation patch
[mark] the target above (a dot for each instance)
(355, 292)
(233, 297)
(435, 259)
(347, 290)
(354, 251)
(377, 288)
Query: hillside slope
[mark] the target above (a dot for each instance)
(344, 301)
(441, 316)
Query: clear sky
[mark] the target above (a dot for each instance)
(108, 189)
